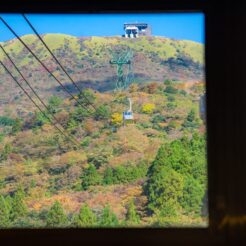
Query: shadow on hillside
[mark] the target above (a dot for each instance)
(101, 86)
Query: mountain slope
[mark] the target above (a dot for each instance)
(87, 61)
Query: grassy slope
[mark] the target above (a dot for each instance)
(165, 47)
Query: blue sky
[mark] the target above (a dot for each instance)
(178, 26)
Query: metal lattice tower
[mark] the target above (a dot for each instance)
(124, 78)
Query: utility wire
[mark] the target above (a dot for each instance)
(45, 67)
(44, 114)
(31, 88)
(57, 61)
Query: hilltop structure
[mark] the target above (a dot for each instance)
(134, 30)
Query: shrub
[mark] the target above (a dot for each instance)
(99, 159)
(90, 177)
(148, 108)
(86, 141)
(116, 119)
(6, 121)
(171, 90)
(86, 98)
(102, 112)
(54, 103)
(6, 152)
(40, 119)
(158, 118)
(167, 82)
(191, 121)
(125, 174)
(171, 98)
(80, 114)
(171, 106)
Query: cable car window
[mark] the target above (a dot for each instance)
(103, 121)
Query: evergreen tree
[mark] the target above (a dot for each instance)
(86, 98)
(164, 188)
(6, 151)
(177, 177)
(4, 213)
(108, 218)
(90, 177)
(192, 197)
(79, 114)
(132, 218)
(18, 208)
(168, 82)
(102, 112)
(191, 121)
(54, 103)
(170, 89)
(56, 216)
(16, 126)
(108, 176)
(8, 201)
(85, 218)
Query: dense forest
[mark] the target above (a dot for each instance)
(150, 171)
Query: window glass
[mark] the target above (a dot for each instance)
(102, 121)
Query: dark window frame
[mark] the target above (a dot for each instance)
(225, 39)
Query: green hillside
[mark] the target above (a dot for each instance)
(114, 165)
(150, 171)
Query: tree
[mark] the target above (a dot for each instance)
(5, 152)
(168, 82)
(108, 177)
(79, 114)
(54, 103)
(85, 218)
(158, 118)
(90, 177)
(99, 159)
(16, 126)
(41, 119)
(102, 112)
(116, 119)
(132, 218)
(171, 106)
(6, 121)
(191, 120)
(18, 208)
(4, 213)
(72, 124)
(108, 218)
(171, 90)
(164, 188)
(193, 194)
(148, 108)
(56, 216)
(191, 116)
(86, 98)
(177, 176)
